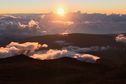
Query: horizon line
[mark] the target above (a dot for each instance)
(82, 12)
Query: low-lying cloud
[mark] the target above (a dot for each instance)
(15, 48)
(56, 54)
(121, 38)
(33, 50)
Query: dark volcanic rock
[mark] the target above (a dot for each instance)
(24, 70)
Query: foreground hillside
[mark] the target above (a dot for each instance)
(24, 70)
(110, 69)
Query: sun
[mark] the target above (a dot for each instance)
(60, 11)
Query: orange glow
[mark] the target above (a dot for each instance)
(60, 11)
(63, 10)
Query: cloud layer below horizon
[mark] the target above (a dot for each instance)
(29, 49)
(37, 25)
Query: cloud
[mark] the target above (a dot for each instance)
(8, 52)
(31, 24)
(121, 38)
(34, 25)
(33, 50)
(49, 54)
(14, 26)
(7, 17)
(15, 48)
(62, 22)
(86, 49)
(45, 45)
(56, 54)
(87, 57)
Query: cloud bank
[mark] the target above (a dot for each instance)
(56, 54)
(33, 50)
(34, 25)
(15, 26)
(15, 48)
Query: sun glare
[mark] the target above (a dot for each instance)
(60, 11)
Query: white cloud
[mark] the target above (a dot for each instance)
(45, 45)
(50, 54)
(33, 23)
(121, 38)
(87, 57)
(32, 49)
(56, 54)
(14, 26)
(15, 48)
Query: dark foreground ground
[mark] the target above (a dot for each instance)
(24, 70)
(111, 69)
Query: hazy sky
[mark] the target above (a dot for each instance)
(38, 6)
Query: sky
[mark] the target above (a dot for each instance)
(42, 6)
